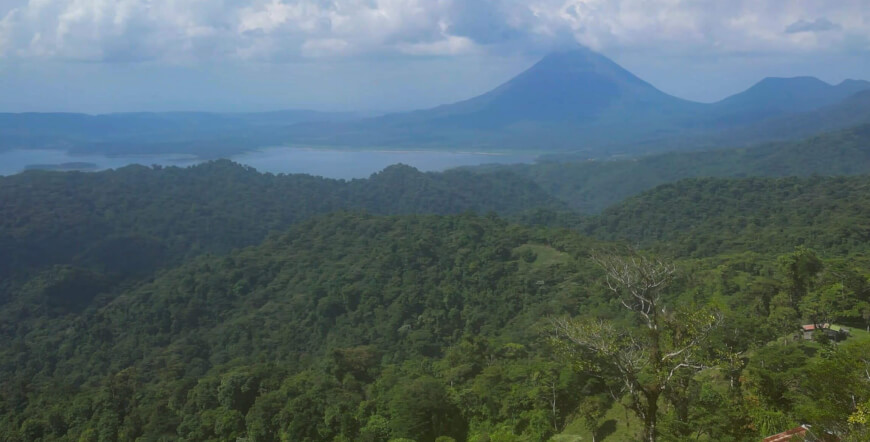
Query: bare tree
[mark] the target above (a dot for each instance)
(645, 361)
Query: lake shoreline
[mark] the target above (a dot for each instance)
(328, 162)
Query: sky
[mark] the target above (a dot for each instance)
(100, 56)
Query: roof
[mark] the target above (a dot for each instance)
(811, 327)
(794, 434)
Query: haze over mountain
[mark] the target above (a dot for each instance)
(147, 132)
(792, 94)
(593, 186)
(567, 100)
(579, 86)
(852, 111)
(582, 101)
(576, 100)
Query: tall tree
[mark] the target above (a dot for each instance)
(592, 409)
(801, 269)
(643, 361)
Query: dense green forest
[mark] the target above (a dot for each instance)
(592, 186)
(357, 327)
(376, 291)
(710, 216)
(131, 221)
(218, 303)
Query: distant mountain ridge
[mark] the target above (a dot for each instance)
(155, 132)
(593, 186)
(805, 93)
(576, 100)
(852, 111)
(776, 96)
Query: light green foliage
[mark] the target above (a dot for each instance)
(592, 409)
(834, 385)
(377, 429)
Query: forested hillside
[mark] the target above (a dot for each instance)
(592, 186)
(136, 219)
(710, 216)
(323, 316)
(357, 327)
(216, 303)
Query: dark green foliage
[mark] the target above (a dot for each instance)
(283, 338)
(136, 219)
(705, 217)
(773, 374)
(68, 237)
(422, 410)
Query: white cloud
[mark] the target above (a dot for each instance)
(106, 30)
(695, 26)
(450, 45)
(113, 29)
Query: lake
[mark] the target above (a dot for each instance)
(330, 163)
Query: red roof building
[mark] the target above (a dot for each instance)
(811, 327)
(795, 434)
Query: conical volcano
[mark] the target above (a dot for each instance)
(574, 86)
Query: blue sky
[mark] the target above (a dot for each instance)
(240, 55)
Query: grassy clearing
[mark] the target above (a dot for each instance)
(543, 256)
(616, 426)
(858, 335)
